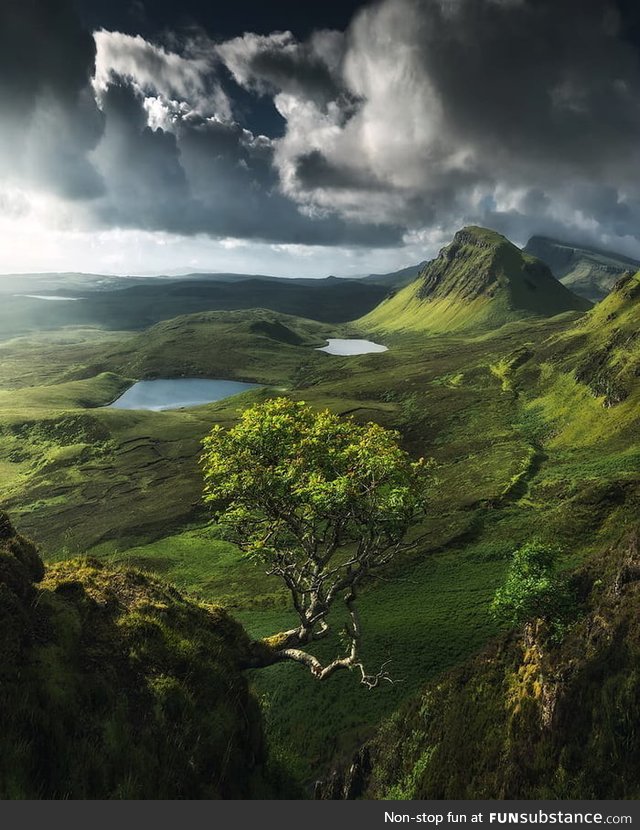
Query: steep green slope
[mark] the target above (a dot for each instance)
(589, 272)
(479, 281)
(527, 718)
(115, 686)
(522, 448)
(603, 348)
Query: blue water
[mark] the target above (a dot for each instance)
(345, 347)
(179, 392)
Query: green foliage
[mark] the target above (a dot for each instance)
(289, 478)
(130, 485)
(533, 588)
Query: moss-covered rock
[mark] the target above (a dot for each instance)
(527, 718)
(113, 685)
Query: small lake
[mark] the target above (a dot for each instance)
(178, 392)
(51, 297)
(346, 347)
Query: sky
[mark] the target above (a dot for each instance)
(303, 139)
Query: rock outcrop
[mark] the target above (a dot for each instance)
(113, 685)
(529, 717)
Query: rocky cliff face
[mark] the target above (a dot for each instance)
(587, 271)
(480, 263)
(113, 685)
(479, 281)
(527, 718)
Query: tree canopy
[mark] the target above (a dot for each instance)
(534, 588)
(322, 502)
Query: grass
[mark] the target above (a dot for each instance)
(531, 716)
(479, 281)
(522, 449)
(587, 271)
(115, 686)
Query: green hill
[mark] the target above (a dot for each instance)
(523, 445)
(603, 348)
(252, 344)
(62, 449)
(526, 718)
(113, 685)
(479, 281)
(589, 272)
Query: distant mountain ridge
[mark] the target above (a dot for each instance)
(589, 272)
(480, 280)
(397, 279)
(136, 304)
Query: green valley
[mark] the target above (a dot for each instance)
(525, 397)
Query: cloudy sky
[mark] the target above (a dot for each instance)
(294, 138)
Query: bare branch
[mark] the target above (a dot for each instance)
(286, 646)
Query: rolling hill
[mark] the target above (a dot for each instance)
(479, 281)
(527, 425)
(114, 686)
(589, 272)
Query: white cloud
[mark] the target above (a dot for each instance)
(423, 116)
(33, 245)
(154, 69)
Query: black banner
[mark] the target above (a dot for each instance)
(320, 815)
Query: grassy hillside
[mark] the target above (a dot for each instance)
(527, 718)
(63, 455)
(523, 445)
(497, 412)
(113, 685)
(589, 272)
(603, 349)
(479, 281)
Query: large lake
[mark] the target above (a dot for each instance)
(346, 347)
(179, 392)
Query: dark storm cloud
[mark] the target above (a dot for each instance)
(49, 121)
(549, 80)
(315, 170)
(277, 62)
(467, 110)
(146, 181)
(422, 115)
(204, 176)
(145, 139)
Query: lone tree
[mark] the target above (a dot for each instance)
(322, 502)
(535, 589)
